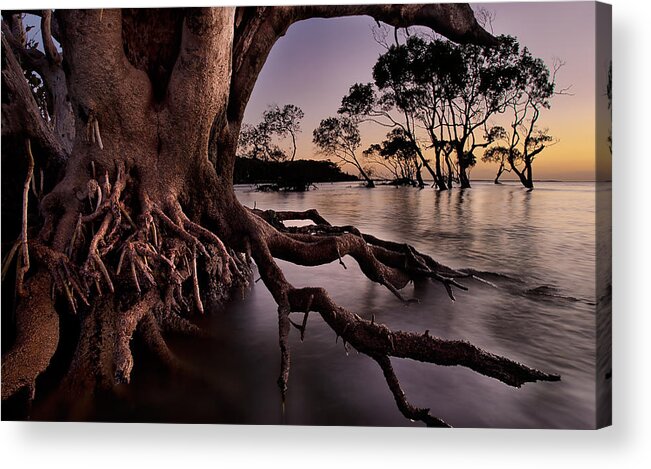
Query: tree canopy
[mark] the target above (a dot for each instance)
(260, 141)
(444, 96)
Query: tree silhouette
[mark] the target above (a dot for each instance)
(284, 122)
(399, 155)
(339, 137)
(257, 141)
(533, 93)
(449, 90)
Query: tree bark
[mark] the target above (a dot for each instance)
(143, 226)
(423, 159)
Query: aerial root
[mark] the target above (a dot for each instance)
(164, 238)
(195, 282)
(63, 273)
(108, 250)
(220, 263)
(23, 258)
(340, 260)
(93, 134)
(303, 326)
(107, 195)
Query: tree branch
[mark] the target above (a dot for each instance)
(20, 115)
(32, 59)
(258, 28)
(51, 52)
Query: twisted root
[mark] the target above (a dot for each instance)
(145, 273)
(119, 276)
(387, 263)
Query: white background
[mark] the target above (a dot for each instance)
(626, 444)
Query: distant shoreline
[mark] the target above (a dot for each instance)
(298, 173)
(302, 173)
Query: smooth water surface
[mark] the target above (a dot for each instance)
(536, 248)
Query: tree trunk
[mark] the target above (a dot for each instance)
(525, 175)
(424, 160)
(450, 172)
(419, 177)
(143, 226)
(528, 183)
(464, 181)
(293, 146)
(499, 174)
(369, 182)
(438, 177)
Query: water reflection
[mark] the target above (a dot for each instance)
(537, 248)
(542, 245)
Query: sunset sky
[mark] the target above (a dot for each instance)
(315, 63)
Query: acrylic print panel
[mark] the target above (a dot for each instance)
(388, 215)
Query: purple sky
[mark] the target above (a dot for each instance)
(314, 64)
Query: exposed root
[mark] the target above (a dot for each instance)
(390, 264)
(151, 334)
(126, 268)
(114, 272)
(376, 339)
(153, 339)
(63, 273)
(408, 410)
(283, 334)
(23, 259)
(170, 321)
(6, 263)
(386, 263)
(127, 323)
(93, 134)
(302, 328)
(195, 282)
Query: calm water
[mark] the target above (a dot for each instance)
(537, 248)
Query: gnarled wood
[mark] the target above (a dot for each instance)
(144, 226)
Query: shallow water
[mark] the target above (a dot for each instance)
(537, 248)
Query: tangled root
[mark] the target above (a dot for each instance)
(122, 270)
(137, 263)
